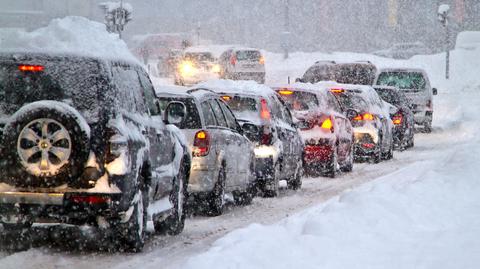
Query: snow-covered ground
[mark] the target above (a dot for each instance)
(419, 210)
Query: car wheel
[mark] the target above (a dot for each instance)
(243, 197)
(133, 231)
(45, 146)
(272, 185)
(216, 199)
(331, 171)
(377, 155)
(175, 223)
(349, 164)
(427, 126)
(295, 182)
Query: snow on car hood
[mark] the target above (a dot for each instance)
(69, 35)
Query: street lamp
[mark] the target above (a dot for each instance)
(443, 11)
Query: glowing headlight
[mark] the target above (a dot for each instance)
(187, 69)
(216, 68)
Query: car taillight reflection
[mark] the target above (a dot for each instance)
(201, 144)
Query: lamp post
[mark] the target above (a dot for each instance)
(443, 11)
(286, 34)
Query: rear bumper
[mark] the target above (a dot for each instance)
(365, 144)
(421, 116)
(202, 177)
(68, 207)
(315, 154)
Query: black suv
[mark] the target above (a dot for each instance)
(82, 142)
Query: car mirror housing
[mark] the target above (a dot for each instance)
(175, 113)
(299, 80)
(250, 130)
(434, 91)
(351, 113)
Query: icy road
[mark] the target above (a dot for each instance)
(419, 210)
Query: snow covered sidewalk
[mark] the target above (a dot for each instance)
(426, 215)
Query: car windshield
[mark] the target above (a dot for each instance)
(352, 101)
(192, 121)
(199, 56)
(248, 55)
(244, 108)
(70, 80)
(389, 96)
(403, 80)
(300, 101)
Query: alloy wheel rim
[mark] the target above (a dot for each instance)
(44, 147)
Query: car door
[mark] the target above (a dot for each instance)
(162, 141)
(240, 145)
(228, 142)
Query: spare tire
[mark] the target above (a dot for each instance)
(45, 144)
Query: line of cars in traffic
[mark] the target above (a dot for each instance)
(101, 146)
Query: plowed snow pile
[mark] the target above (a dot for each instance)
(72, 35)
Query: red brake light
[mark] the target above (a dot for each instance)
(31, 68)
(80, 199)
(201, 144)
(233, 60)
(337, 90)
(397, 119)
(264, 111)
(285, 92)
(366, 116)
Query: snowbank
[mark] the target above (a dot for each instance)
(69, 35)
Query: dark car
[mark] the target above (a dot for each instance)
(83, 143)
(360, 73)
(370, 118)
(327, 133)
(268, 123)
(402, 118)
(214, 136)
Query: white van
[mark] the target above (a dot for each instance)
(416, 86)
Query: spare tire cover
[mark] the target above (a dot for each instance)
(45, 144)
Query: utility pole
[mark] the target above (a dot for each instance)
(286, 33)
(443, 11)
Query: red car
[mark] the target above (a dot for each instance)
(327, 133)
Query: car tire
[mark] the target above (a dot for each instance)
(175, 223)
(295, 183)
(389, 154)
(243, 197)
(427, 126)
(58, 115)
(133, 231)
(271, 188)
(216, 199)
(348, 167)
(332, 166)
(377, 155)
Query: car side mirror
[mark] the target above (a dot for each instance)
(299, 80)
(175, 113)
(434, 91)
(351, 113)
(250, 131)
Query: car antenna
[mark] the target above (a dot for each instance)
(288, 79)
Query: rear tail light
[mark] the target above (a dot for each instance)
(397, 119)
(327, 124)
(264, 111)
(233, 60)
(201, 144)
(261, 60)
(89, 199)
(226, 98)
(429, 103)
(266, 139)
(285, 92)
(365, 117)
(336, 90)
(31, 68)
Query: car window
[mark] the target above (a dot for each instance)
(403, 80)
(217, 112)
(248, 55)
(192, 121)
(231, 121)
(333, 103)
(130, 91)
(299, 101)
(208, 114)
(148, 93)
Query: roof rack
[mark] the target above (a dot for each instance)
(364, 61)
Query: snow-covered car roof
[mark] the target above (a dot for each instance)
(250, 88)
(171, 90)
(68, 36)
